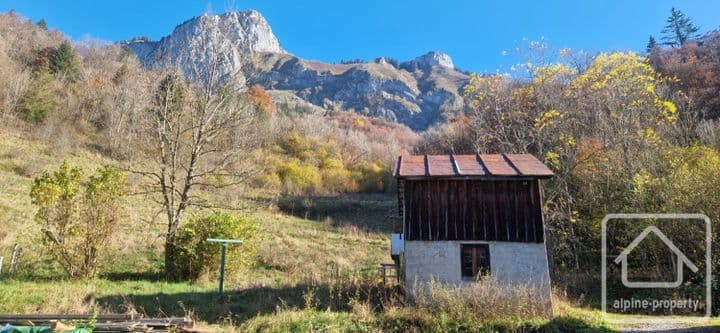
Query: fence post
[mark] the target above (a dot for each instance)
(1, 265)
(14, 260)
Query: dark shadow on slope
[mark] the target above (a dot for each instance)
(372, 212)
(237, 306)
(151, 276)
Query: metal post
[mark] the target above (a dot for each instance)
(222, 267)
(224, 243)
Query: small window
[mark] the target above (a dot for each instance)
(475, 260)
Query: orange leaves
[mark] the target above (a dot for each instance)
(261, 99)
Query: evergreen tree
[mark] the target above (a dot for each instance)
(42, 24)
(651, 44)
(679, 29)
(64, 61)
(39, 99)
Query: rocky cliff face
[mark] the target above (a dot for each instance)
(194, 44)
(416, 93)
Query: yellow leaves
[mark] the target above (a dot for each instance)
(482, 88)
(299, 177)
(668, 110)
(553, 73)
(636, 103)
(63, 184)
(627, 86)
(526, 91)
(641, 181)
(626, 71)
(359, 122)
(650, 135)
(548, 118)
(649, 87)
(568, 140)
(552, 159)
(332, 163)
(574, 216)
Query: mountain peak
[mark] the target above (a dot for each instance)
(435, 58)
(228, 37)
(249, 29)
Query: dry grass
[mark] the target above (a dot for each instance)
(22, 159)
(486, 299)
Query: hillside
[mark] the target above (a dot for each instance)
(340, 240)
(417, 93)
(316, 268)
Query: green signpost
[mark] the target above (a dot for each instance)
(224, 243)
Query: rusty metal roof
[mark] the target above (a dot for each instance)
(478, 165)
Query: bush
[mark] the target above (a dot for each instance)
(372, 177)
(299, 177)
(198, 256)
(77, 218)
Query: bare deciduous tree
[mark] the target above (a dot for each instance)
(202, 136)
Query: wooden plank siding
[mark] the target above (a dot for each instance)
(472, 209)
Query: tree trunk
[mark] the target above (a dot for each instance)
(169, 257)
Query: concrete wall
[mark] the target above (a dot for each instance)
(510, 263)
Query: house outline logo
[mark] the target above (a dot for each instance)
(656, 216)
(682, 261)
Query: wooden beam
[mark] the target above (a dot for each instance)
(54, 316)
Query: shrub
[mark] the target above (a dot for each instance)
(335, 177)
(299, 178)
(372, 177)
(198, 256)
(77, 217)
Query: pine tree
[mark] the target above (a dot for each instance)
(64, 61)
(39, 99)
(42, 24)
(651, 44)
(679, 29)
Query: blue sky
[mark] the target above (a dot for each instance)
(474, 33)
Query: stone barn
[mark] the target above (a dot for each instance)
(464, 216)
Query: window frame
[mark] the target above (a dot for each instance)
(478, 268)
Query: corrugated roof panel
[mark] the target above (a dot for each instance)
(412, 166)
(497, 165)
(468, 165)
(440, 165)
(484, 165)
(529, 165)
